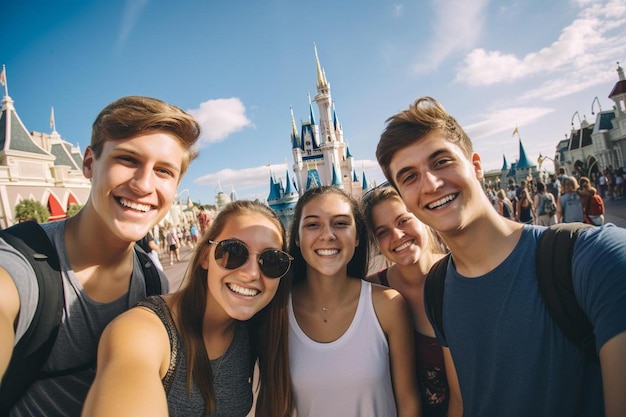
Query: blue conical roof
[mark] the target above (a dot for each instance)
(523, 160)
(505, 164)
(290, 188)
(366, 185)
(336, 176)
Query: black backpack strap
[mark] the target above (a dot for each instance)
(35, 345)
(433, 291)
(554, 275)
(150, 272)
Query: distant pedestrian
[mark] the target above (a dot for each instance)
(593, 205)
(545, 204)
(173, 243)
(505, 207)
(569, 208)
(204, 220)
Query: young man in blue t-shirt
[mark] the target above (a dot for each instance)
(508, 355)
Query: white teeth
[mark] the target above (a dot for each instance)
(243, 291)
(135, 206)
(442, 201)
(403, 246)
(327, 252)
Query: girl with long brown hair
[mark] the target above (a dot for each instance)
(192, 353)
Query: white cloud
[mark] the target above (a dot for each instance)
(243, 178)
(259, 177)
(597, 35)
(219, 118)
(457, 26)
(132, 10)
(505, 121)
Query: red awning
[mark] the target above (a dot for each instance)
(56, 211)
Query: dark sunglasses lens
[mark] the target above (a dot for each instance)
(231, 254)
(274, 263)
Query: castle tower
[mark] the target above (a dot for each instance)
(321, 156)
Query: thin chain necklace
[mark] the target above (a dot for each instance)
(325, 310)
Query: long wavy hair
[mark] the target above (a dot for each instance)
(268, 328)
(357, 267)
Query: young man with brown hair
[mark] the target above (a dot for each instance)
(510, 357)
(140, 148)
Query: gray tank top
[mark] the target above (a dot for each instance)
(231, 373)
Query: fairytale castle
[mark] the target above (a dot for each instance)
(320, 155)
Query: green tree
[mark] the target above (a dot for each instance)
(31, 210)
(73, 209)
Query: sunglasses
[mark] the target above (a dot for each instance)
(233, 253)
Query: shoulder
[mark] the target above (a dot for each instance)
(137, 334)
(605, 239)
(387, 300)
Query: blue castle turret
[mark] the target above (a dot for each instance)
(283, 199)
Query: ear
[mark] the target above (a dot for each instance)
(88, 161)
(478, 166)
(297, 242)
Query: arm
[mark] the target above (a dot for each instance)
(9, 309)
(394, 317)
(153, 245)
(455, 404)
(133, 356)
(559, 211)
(613, 362)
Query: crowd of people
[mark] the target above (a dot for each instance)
(301, 310)
(564, 199)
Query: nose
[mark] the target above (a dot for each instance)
(142, 182)
(431, 182)
(327, 232)
(396, 233)
(251, 270)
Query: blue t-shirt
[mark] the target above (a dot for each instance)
(511, 358)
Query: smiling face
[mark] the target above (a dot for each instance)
(401, 237)
(133, 183)
(327, 235)
(243, 291)
(438, 183)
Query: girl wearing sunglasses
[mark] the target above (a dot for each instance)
(412, 248)
(192, 353)
(350, 341)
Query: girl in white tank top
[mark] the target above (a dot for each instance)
(350, 342)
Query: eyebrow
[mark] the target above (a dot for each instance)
(395, 220)
(432, 156)
(132, 151)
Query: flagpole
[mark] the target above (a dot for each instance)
(4, 80)
(53, 125)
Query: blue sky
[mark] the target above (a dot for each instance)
(239, 66)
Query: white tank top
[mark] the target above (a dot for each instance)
(347, 377)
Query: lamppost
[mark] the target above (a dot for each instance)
(593, 102)
(179, 202)
(580, 122)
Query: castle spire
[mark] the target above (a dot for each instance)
(321, 76)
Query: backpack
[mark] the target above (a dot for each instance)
(549, 207)
(595, 206)
(33, 348)
(554, 277)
